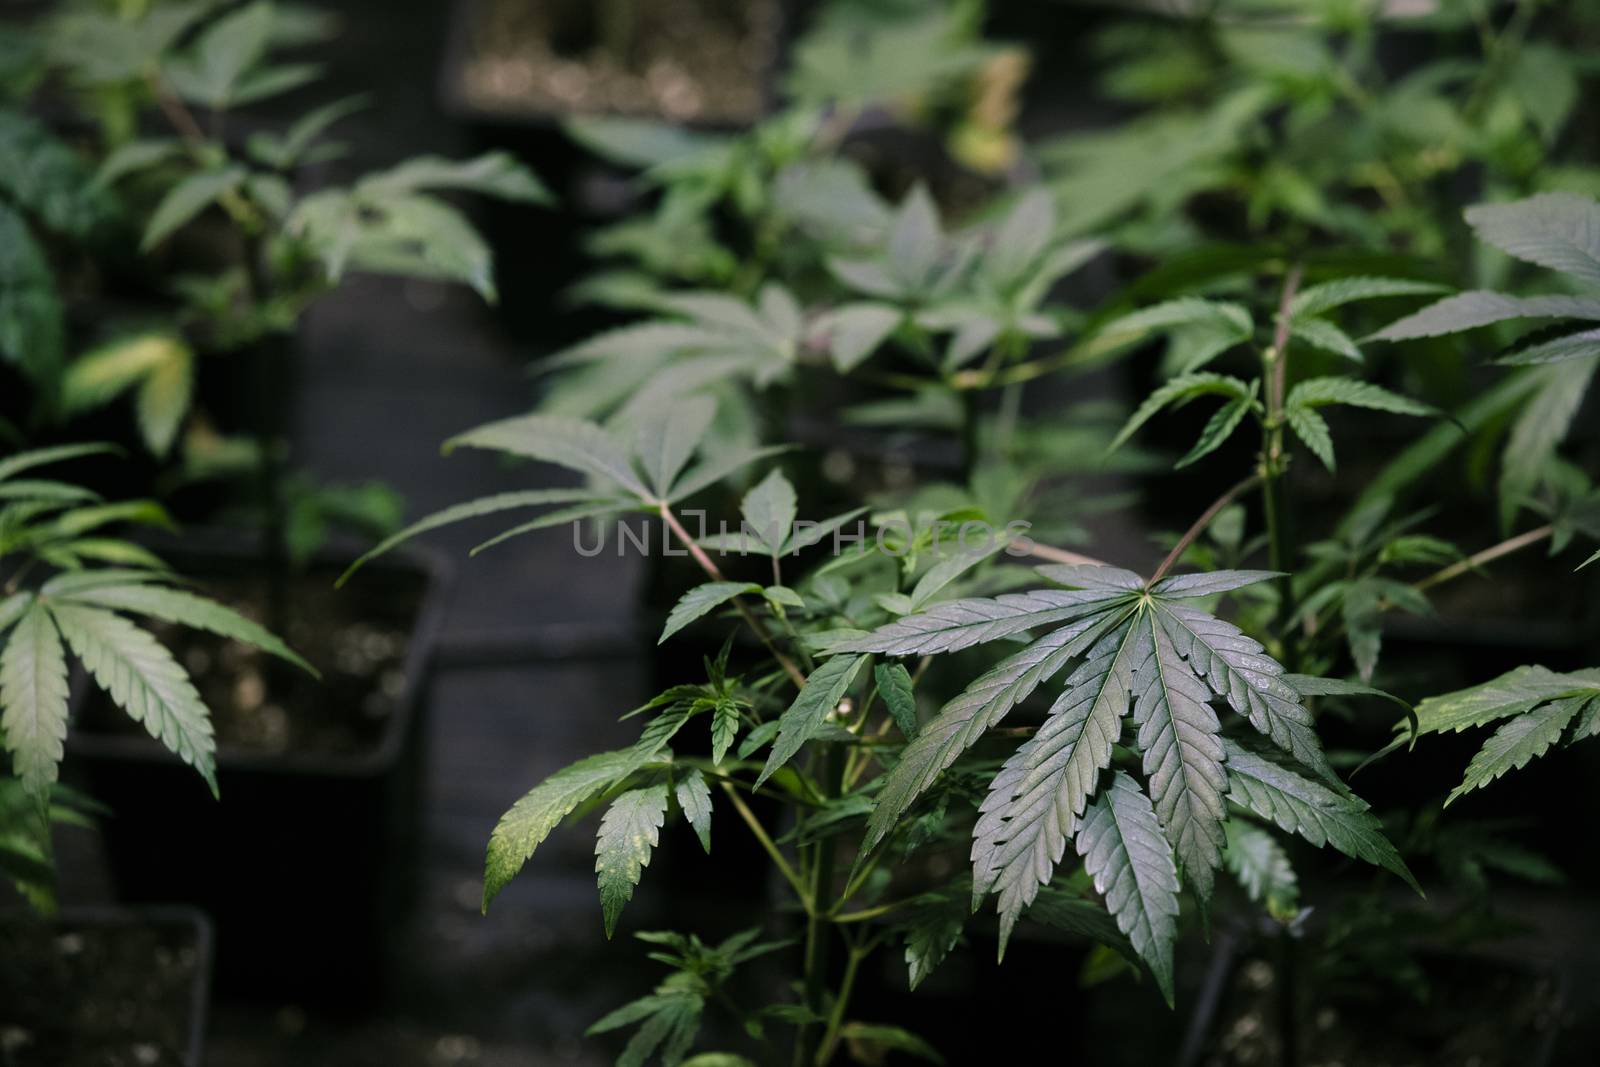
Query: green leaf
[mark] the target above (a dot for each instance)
(957, 624)
(496, 174)
(572, 443)
(630, 829)
(488, 505)
(136, 156)
(694, 798)
(222, 54)
(1218, 429)
(187, 199)
(894, 685)
(1130, 861)
(43, 457)
(1584, 344)
(1211, 327)
(1320, 333)
(1180, 739)
(701, 599)
(1540, 427)
(1262, 868)
(875, 1036)
(1320, 392)
(854, 331)
(715, 470)
(769, 511)
(1321, 299)
(33, 700)
(1182, 388)
(1209, 583)
(933, 927)
(1022, 238)
(667, 438)
(143, 679)
(523, 829)
(163, 400)
(724, 728)
(1261, 784)
(1312, 430)
(1469, 310)
(1034, 802)
(185, 609)
(1526, 737)
(285, 152)
(106, 372)
(821, 694)
(1556, 230)
(12, 608)
(1513, 693)
(982, 705)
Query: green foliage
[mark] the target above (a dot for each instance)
(83, 608)
(1538, 707)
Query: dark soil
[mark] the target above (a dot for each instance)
(1478, 1013)
(92, 995)
(356, 637)
(686, 60)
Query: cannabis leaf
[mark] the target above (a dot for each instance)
(33, 696)
(1180, 390)
(1554, 230)
(805, 717)
(523, 828)
(701, 599)
(1139, 650)
(1539, 704)
(630, 829)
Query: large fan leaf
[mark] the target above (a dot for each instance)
(1131, 864)
(143, 679)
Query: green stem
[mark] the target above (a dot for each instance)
(830, 1037)
(817, 929)
(770, 847)
(1274, 464)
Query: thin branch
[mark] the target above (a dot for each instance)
(796, 675)
(1199, 525)
(1488, 555)
(1280, 340)
(769, 846)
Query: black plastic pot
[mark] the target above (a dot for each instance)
(308, 862)
(30, 1002)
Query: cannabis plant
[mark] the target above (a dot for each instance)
(68, 585)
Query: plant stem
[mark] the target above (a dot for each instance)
(769, 846)
(830, 1038)
(1488, 555)
(817, 930)
(1274, 500)
(1199, 526)
(715, 574)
